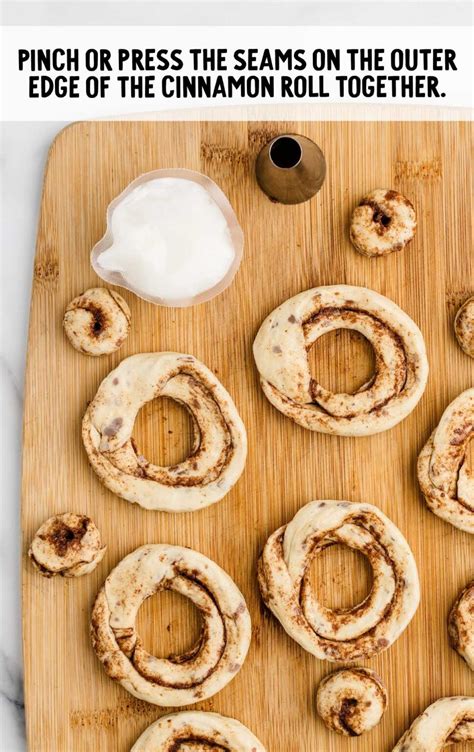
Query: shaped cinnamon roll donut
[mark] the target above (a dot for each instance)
(177, 680)
(97, 322)
(461, 625)
(445, 479)
(384, 222)
(401, 367)
(67, 545)
(208, 730)
(220, 442)
(464, 327)
(351, 701)
(349, 633)
(446, 721)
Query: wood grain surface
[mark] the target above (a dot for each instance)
(71, 704)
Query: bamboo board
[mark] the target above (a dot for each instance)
(71, 704)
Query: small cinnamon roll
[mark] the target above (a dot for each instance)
(464, 327)
(351, 701)
(68, 545)
(384, 222)
(97, 322)
(461, 625)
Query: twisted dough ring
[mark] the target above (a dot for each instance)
(464, 327)
(220, 441)
(340, 634)
(446, 721)
(384, 221)
(401, 367)
(445, 479)
(178, 680)
(211, 730)
(461, 625)
(97, 322)
(351, 701)
(67, 545)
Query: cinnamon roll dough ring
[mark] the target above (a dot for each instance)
(68, 545)
(220, 442)
(351, 701)
(340, 634)
(177, 680)
(444, 475)
(446, 721)
(464, 327)
(211, 730)
(401, 367)
(461, 625)
(384, 222)
(97, 322)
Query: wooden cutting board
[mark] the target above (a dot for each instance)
(71, 704)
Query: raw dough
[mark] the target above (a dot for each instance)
(384, 222)
(97, 322)
(446, 721)
(464, 327)
(401, 367)
(178, 680)
(445, 478)
(214, 731)
(352, 701)
(461, 625)
(68, 545)
(220, 443)
(340, 634)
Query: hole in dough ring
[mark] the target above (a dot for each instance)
(345, 634)
(351, 701)
(444, 476)
(97, 322)
(220, 441)
(177, 680)
(384, 222)
(461, 625)
(446, 721)
(211, 730)
(401, 366)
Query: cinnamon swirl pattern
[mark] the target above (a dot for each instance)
(220, 441)
(340, 634)
(177, 680)
(351, 701)
(97, 322)
(207, 730)
(445, 478)
(384, 222)
(446, 721)
(67, 545)
(464, 327)
(461, 625)
(401, 367)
